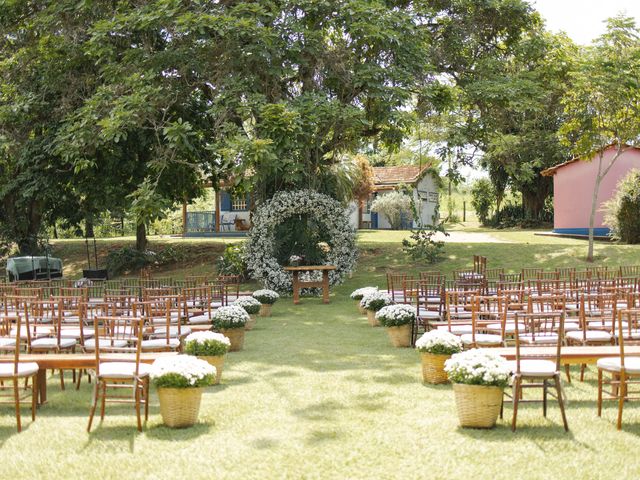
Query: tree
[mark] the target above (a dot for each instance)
(395, 206)
(621, 211)
(603, 103)
(482, 198)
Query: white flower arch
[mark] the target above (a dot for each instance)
(328, 212)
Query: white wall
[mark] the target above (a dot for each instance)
(426, 197)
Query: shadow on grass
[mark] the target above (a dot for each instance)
(162, 432)
(105, 433)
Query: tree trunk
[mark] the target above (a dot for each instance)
(594, 206)
(141, 237)
(88, 228)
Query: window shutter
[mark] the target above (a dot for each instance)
(225, 201)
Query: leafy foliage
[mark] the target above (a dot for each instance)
(393, 205)
(422, 247)
(622, 211)
(482, 198)
(127, 259)
(233, 261)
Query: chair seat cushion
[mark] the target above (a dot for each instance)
(7, 343)
(160, 343)
(173, 331)
(590, 336)
(510, 327)
(571, 326)
(105, 343)
(457, 329)
(633, 334)
(547, 338)
(75, 333)
(534, 368)
(481, 339)
(35, 332)
(200, 319)
(25, 369)
(123, 370)
(614, 364)
(50, 342)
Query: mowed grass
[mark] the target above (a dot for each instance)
(318, 393)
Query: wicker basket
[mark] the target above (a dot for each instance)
(235, 336)
(433, 368)
(179, 407)
(218, 362)
(478, 406)
(400, 336)
(371, 318)
(361, 309)
(251, 323)
(265, 310)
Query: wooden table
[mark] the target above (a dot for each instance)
(570, 355)
(71, 361)
(299, 285)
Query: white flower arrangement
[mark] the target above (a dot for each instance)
(231, 316)
(439, 342)
(328, 212)
(182, 371)
(358, 293)
(250, 304)
(396, 315)
(376, 300)
(478, 367)
(206, 343)
(266, 297)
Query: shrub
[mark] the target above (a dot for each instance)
(482, 198)
(182, 371)
(125, 259)
(394, 206)
(396, 315)
(206, 344)
(622, 212)
(422, 247)
(233, 261)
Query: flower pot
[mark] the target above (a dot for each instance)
(371, 318)
(179, 407)
(218, 362)
(361, 309)
(400, 336)
(433, 368)
(251, 323)
(478, 405)
(235, 336)
(265, 310)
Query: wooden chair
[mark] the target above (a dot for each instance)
(623, 370)
(494, 273)
(485, 311)
(510, 277)
(395, 285)
(629, 271)
(479, 264)
(163, 331)
(530, 273)
(536, 371)
(15, 372)
(119, 335)
(458, 311)
(565, 273)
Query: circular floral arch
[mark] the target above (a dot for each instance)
(331, 214)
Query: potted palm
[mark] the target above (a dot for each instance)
(374, 301)
(252, 307)
(399, 320)
(357, 295)
(436, 347)
(180, 381)
(479, 377)
(210, 347)
(266, 298)
(230, 321)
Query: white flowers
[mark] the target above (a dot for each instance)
(250, 304)
(478, 367)
(182, 371)
(396, 315)
(231, 316)
(207, 336)
(439, 342)
(375, 300)
(266, 297)
(358, 293)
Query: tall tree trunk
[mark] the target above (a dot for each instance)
(594, 206)
(141, 237)
(88, 228)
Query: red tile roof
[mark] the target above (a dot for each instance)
(408, 174)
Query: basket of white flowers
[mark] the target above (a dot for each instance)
(374, 301)
(210, 347)
(230, 321)
(436, 347)
(399, 320)
(266, 298)
(479, 377)
(180, 381)
(357, 295)
(252, 307)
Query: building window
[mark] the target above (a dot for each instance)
(238, 204)
(366, 206)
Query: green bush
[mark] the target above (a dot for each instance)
(422, 247)
(482, 199)
(622, 212)
(232, 261)
(395, 206)
(128, 259)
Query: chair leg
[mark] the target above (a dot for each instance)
(599, 392)
(561, 402)
(62, 379)
(567, 371)
(583, 367)
(622, 393)
(93, 405)
(137, 398)
(516, 399)
(544, 398)
(146, 399)
(34, 398)
(79, 379)
(103, 399)
(16, 397)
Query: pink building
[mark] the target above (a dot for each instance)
(573, 184)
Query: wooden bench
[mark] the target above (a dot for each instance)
(77, 361)
(298, 285)
(570, 355)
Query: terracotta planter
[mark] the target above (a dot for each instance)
(478, 406)
(251, 323)
(433, 368)
(180, 407)
(361, 309)
(236, 337)
(265, 310)
(400, 336)
(218, 362)
(371, 318)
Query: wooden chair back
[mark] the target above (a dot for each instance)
(547, 326)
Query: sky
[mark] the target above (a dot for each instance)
(583, 20)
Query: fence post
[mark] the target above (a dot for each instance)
(464, 211)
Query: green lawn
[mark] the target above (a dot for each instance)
(318, 393)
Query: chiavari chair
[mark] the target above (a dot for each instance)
(485, 311)
(530, 273)
(395, 288)
(458, 311)
(629, 271)
(479, 264)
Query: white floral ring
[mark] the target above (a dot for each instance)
(328, 212)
